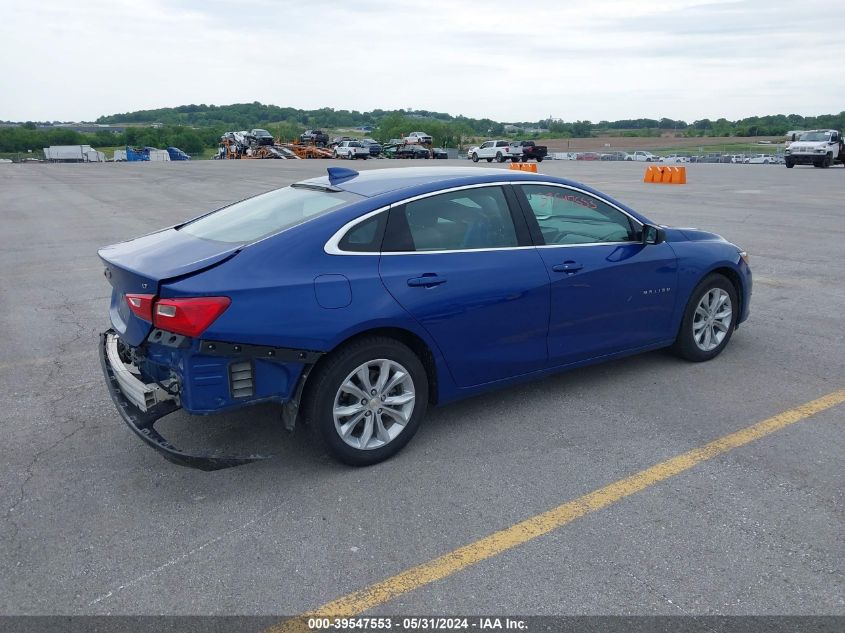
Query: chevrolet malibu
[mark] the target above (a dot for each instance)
(357, 301)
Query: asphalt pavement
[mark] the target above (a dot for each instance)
(94, 522)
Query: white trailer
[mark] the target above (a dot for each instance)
(73, 154)
(159, 155)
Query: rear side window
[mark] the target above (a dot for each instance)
(365, 237)
(459, 220)
(267, 214)
(567, 216)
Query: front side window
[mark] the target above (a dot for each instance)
(267, 214)
(468, 219)
(567, 216)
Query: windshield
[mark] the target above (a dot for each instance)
(815, 136)
(264, 215)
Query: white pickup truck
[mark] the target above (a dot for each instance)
(351, 149)
(819, 148)
(639, 155)
(500, 150)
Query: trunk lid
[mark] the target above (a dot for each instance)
(141, 265)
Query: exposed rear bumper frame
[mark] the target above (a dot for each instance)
(142, 422)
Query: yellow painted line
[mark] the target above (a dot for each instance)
(540, 524)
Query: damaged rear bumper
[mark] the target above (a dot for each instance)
(141, 405)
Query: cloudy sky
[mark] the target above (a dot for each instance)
(504, 59)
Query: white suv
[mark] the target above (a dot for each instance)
(500, 150)
(418, 137)
(351, 149)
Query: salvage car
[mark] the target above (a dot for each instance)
(405, 150)
(418, 137)
(371, 144)
(358, 301)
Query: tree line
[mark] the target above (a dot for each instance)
(194, 128)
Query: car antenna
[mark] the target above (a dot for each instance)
(340, 173)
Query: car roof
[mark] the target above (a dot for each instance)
(398, 183)
(375, 182)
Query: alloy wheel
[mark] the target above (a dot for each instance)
(374, 404)
(712, 319)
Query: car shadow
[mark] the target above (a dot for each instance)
(258, 429)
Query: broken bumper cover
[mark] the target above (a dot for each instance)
(142, 405)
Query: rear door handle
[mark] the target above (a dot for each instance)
(428, 280)
(567, 267)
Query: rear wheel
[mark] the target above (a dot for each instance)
(499, 157)
(489, 160)
(539, 159)
(709, 319)
(367, 399)
(789, 164)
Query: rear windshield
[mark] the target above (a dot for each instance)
(269, 213)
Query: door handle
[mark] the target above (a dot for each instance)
(567, 267)
(428, 280)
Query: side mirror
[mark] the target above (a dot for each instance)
(653, 234)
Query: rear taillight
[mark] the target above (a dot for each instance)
(189, 316)
(141, 305)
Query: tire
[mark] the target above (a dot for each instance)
(697, 319)
(539, 159)
(334, 154)
(789, 164)
(499, 157)
(489, 160)
(474, 157)
(817, 164)
(325, 398)
(828, 161)
(524, 159)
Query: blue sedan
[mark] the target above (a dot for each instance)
(357, 301)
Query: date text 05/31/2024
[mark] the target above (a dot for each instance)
(417, 623)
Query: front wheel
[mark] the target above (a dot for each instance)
(474, 157)
(828, 161)
(709, 319)
(367, 399)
